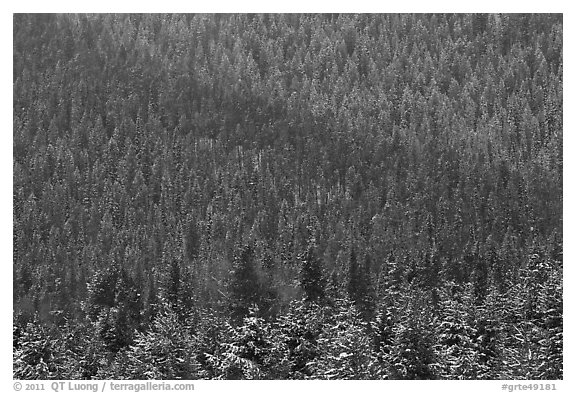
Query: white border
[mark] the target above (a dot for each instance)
(294, 6)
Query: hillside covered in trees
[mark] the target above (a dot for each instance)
(287, 196)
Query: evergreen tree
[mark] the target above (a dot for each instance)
(244, 286)
(311, 275)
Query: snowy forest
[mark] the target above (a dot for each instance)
(287, 196)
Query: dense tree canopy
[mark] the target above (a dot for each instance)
(287, 196)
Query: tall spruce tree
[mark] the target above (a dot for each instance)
(311, 275)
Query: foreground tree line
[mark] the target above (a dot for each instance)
(287, 196)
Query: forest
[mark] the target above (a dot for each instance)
(287, 196)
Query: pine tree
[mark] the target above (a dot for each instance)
(311, 275)
(359, 285)
(244, 285)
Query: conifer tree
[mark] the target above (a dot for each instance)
(244, 286)
(311, 274)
